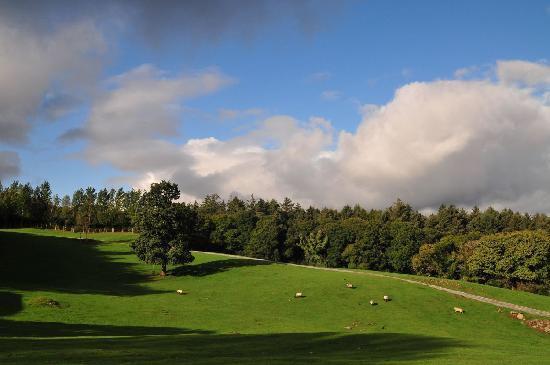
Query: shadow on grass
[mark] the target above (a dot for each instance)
(214, 267)
(126, 240)
(10, 303)
(54, 329)
(319, 348)
(33, 262)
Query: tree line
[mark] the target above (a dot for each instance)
(22, 205)
(503, 248)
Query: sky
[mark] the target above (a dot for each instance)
(326, 102)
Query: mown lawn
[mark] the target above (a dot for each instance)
(113, 309)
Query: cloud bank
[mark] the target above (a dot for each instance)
(38, 71)
(52, 54)
(475, 142)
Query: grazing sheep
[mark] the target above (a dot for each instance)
(386, 298)
(458, 310)
(372, 302)
(299, 295)
(179, 291)
(349, 285)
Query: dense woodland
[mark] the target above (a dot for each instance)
(503, 248)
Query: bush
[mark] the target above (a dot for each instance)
(512, 259)
(445, 258)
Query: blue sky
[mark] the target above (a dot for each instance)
(357, 53)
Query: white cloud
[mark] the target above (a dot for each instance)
(465, 72)
(463, 142)
(130, 122)
(368, 110)
(523, 72)
(34, 65)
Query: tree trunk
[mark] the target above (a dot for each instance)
(163, 269)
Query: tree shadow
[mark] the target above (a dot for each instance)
(10, 303)
(214, 267)
(318, 348)
(10, 328)
(126, 240)
(33, 262)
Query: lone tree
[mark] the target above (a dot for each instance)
(164, 226)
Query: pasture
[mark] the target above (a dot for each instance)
(111, 309)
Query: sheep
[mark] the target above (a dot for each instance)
(386, 298)
(458, 310)
(299, 295)
(349, 285)
(180, 292)
(372, 302)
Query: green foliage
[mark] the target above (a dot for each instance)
(233, 230)
(314, 246)
(445, 258)
(511, 258)
(404, 240)
(388, 239)
(165, 227)
(369, 250)
(265, 239)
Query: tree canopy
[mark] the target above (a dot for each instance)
(164, 227)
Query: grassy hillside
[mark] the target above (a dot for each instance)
(113, 309)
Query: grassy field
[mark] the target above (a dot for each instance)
(513, 296)
(115, 310)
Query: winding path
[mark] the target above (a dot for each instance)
(479, 298)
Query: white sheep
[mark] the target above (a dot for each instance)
(349, 285)
(179, 291)
(386, 298)
(458, 310)
(299, 295)
(372, 302)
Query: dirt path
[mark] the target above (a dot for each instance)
(479, 298)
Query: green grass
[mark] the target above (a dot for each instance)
(513, 296)
(113, 309)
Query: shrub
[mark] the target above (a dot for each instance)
(445, 258)
(511, 259)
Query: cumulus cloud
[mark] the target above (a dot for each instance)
(274, 160)
(466, 142)
(465, 71)
(462, 142)
(523, 72)
(9, 164)
(33, 65)
(51, 51)
(130, 121)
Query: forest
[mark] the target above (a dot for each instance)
(501, 248)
